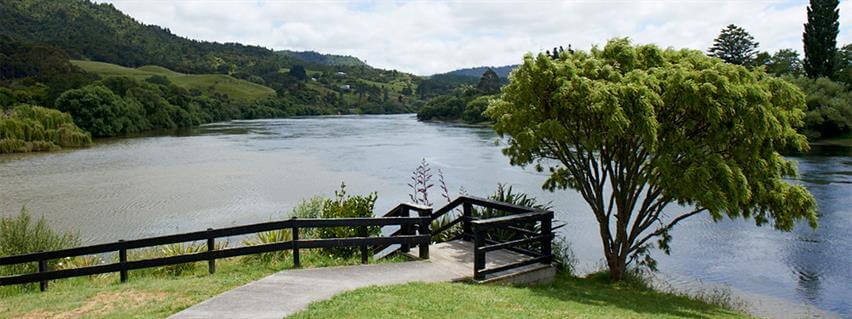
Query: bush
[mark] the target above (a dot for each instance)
(98, 110)
(346, 206)
(829, 107)
(29, 128)
(20, 235)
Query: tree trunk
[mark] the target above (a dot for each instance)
(617, 266)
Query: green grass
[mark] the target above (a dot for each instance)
(147, 293)
(566, 297)
(207, 83)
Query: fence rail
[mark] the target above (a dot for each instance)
(476, 230)
(542, 253)
(420, 223)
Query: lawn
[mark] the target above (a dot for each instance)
(147, 293)
(566, 297)
(207, 83)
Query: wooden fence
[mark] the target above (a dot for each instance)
(419, 235)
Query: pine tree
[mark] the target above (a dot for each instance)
(820, 38)
(734, 45)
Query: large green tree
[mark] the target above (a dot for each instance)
(784, 62)
(734, 45)
(98, 110)
(820, 38)
(651, 137)
(843, 65)
(489, 82)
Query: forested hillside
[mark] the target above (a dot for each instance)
(327, 59)
(502, 71)
(116, 76)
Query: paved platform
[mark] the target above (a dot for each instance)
(290, 291)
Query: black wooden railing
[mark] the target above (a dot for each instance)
(543, 237)
(517, 220)
(420, 223)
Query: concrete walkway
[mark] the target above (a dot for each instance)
(289, 291)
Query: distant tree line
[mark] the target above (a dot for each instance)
(824, 75)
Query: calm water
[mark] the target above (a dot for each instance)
(251, 171)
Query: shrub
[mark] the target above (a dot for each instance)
(829, 107)
(30, 128)
(309, 208)
(21, 235)
(346, 206)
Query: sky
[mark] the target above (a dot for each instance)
(428, 37)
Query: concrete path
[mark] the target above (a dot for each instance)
(289, 291)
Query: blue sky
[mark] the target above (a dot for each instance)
(426, 37)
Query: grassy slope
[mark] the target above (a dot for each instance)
(209, 83)
(567, 297)
(146, 294)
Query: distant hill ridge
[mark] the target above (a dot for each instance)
(502, 71)
(322, 58)
(100, 32)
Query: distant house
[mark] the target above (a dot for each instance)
(345, 87)
(341, 73)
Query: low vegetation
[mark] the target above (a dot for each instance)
(567, 297)
(29, 128)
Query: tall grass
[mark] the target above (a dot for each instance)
(22, 235)
(29, 128)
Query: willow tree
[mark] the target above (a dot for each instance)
(651, 137)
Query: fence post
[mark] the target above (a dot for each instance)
(478, 255)
(467, 215)
(546, 241)
(295, 232)
(42, 267)
(122, 261)
(406, 229)
(424, 230)
(362, 232)
(211, 246)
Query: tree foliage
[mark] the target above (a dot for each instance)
(29, 128)
(844, 65)
(784, 62)
(100, 111)
(829, 107)
(734, 45)
(820, 38)
(651, 137)
(489, 82)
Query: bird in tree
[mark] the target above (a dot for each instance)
(820, 38)
(734, 45)
(652, 137)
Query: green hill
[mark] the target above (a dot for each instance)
(326, 59)
(207, 83)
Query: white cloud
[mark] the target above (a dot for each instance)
(427, 37)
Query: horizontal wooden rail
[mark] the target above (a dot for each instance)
(123, 265)
(482, 245)
(216, 233)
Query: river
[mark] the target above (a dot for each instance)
(243, 172)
